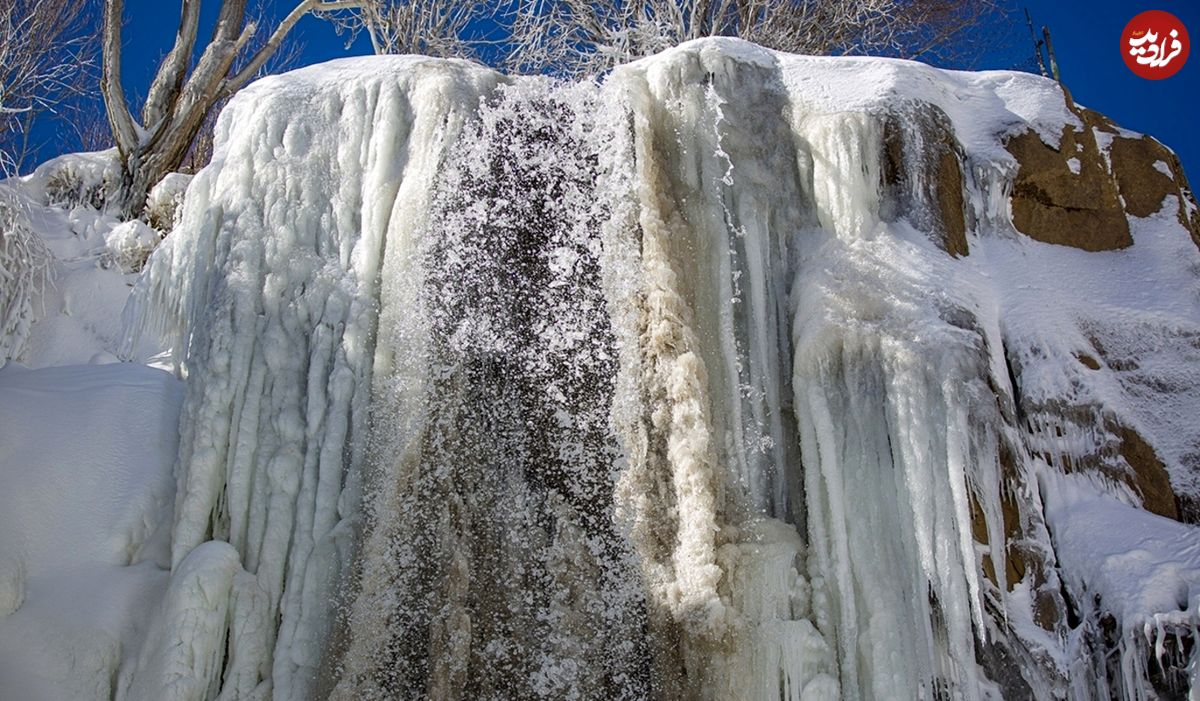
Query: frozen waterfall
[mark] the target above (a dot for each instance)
(678, 385)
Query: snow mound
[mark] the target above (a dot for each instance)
(129, 244)
(85, 512)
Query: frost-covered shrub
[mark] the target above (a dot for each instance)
(128, 245)
(24, 271)
(76, 179)
(163, 203)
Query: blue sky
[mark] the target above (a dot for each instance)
(1086, 37)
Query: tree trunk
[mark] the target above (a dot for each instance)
(178, 102)
(141, 171)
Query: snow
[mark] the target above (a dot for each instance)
(1138, 307)
(655, 386)
(85, 502)
(1145, 574)
(1149, 567)
(89, 259)
(129, 244)
(86, 447)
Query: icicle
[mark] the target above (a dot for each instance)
(184, 653)
(716, 247)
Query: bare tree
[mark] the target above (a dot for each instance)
(46, 60)
(428, 27)
(179, 100)
(955, 31)
(90, 127)
(577, 37)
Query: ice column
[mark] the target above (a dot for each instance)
(718, 211)
(269, 290)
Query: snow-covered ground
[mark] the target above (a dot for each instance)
(670, 344)
(85, 512)
(86, 450)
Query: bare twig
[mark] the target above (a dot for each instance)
(428, 27)
(46, 62)
(579, 37)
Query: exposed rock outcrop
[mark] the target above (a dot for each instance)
(1066, 195)
(1148, 173)
(1149, 477)
(1080, 192)
(923, 175)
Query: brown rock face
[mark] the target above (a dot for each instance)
(923, 176)
(1076, 194)
(949, 184)
(1150, 477)
(1142, 185)
(1054, 204)
(1191, 219)
(1139, 165)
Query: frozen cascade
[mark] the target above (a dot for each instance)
(491, 561)
(672, 386)
(278, 349)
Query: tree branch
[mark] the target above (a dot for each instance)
(236, 82)
(125, 131)
(169, 79)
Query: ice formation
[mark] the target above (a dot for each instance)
(727, 377)
(25, 268)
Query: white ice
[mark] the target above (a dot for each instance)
(811, 401)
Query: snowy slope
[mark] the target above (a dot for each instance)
(85, 468)
(87, 447)
(90, 259)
